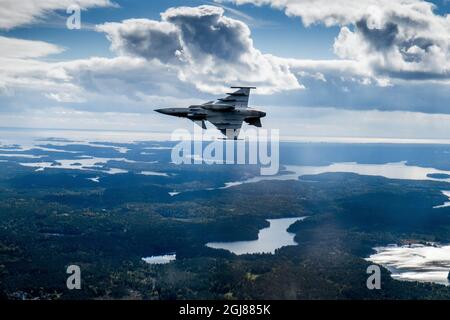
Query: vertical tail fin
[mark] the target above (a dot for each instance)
(238, 98)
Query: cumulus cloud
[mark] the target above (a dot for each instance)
(143, 38)
(17, 13)
(402, 39)
(207, 48)
(398, 49)
(205, 31)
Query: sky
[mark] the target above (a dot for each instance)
(349, 68)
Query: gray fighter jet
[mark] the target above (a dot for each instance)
(227, 114)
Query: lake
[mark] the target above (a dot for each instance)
(269, 239)
(395, 170)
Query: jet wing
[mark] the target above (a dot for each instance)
(254, 122)
(200, 123)
(230, 129)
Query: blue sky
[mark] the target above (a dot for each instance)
(372, 60)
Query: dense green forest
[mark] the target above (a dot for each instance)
(106, 223)
(106, 229)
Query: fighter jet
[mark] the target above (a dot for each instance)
(227, 114)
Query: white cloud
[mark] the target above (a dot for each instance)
(342, 12)
(21, 70)
(15, 13)
(402, 39)
(206, 48)
(18, 48)
(122, 83)
(130, 77)
(31, 78)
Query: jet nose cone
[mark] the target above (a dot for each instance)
(263, 114)
(163, 111)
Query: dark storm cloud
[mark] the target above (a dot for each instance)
(143, 38)
(208, 32)
(199, 32)
(380, 39)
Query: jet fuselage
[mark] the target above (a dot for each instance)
(226, 114)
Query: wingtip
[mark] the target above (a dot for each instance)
(242, 87)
